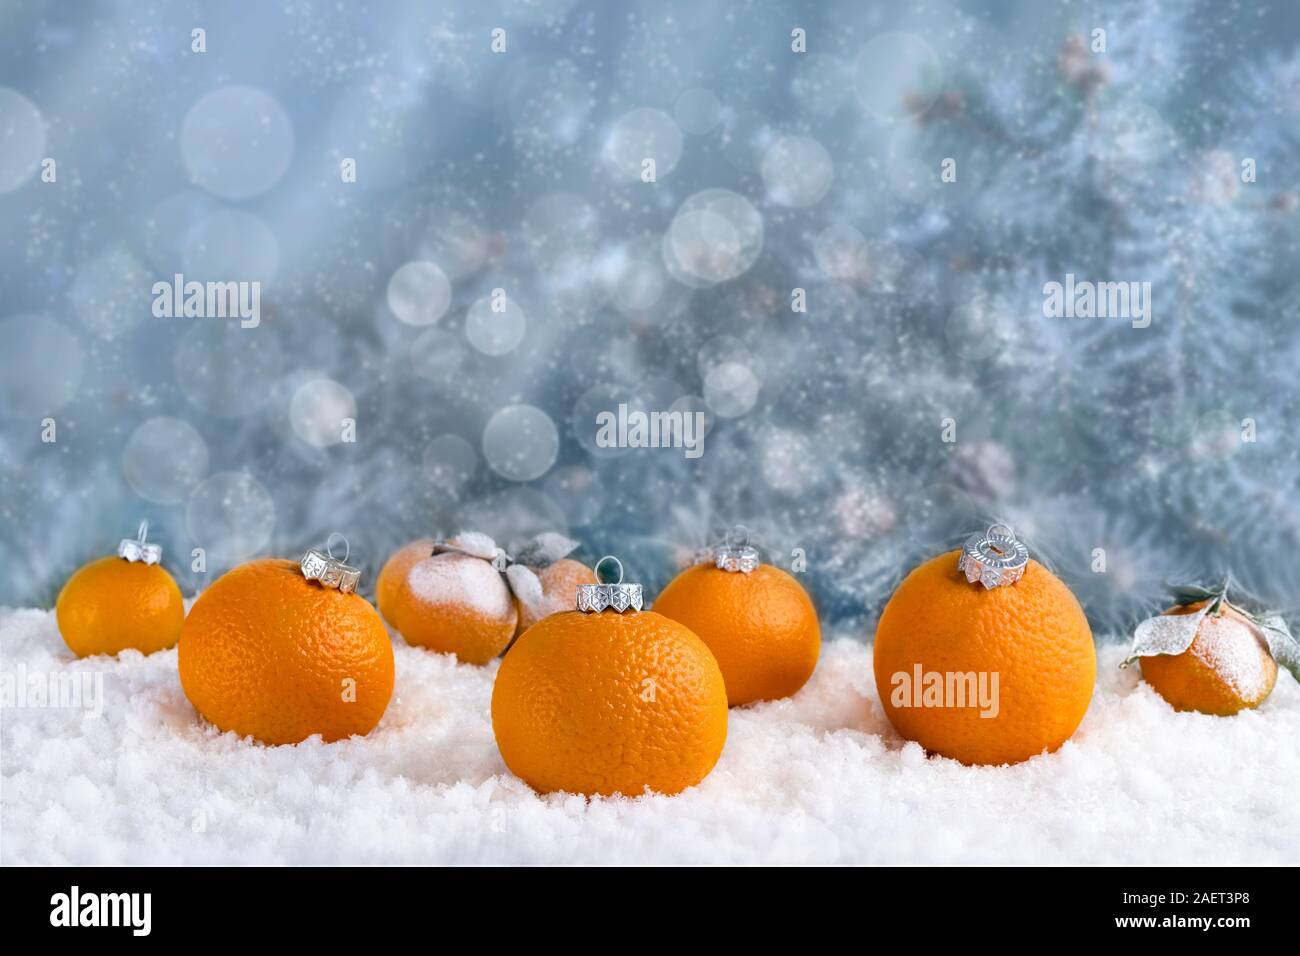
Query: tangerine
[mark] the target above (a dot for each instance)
(455, 603)
(609, 703)
(268, 654)
(1015, 665)
(761, 626)
(1227, 668)
(113, 604)
(392, 576)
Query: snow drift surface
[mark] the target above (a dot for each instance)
(821, 778)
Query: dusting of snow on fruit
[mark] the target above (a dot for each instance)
(475, 543)
(460, 579)
(1234, 651)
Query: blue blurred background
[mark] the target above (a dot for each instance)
(775, 170)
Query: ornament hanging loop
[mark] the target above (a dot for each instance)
(329, 547)
(329, 571)
(617, 563)
(620, 597)
(993, 558)
(139, 550)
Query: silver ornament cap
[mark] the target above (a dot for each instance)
(736, 554)
(994, 558)
(137, 549)
(620, 597)
(329, 571)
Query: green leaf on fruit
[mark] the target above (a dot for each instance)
(1281, 642)
(1184, 594)
(525, 585)
(1167, 633)
(544, 550)
(474, 543)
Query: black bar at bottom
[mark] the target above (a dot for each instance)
(581, 906)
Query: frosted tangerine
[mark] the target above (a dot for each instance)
(456, 604)
(392, 576)
(1227, 668)
(559, 582)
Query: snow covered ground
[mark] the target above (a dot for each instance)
(821, 778)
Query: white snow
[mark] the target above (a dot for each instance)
(451, 578)
(819, 778)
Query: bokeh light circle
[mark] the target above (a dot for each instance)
(22, 139)
(162, 231)
(520, 442)
(440, 356)
(725, 348)
(449, 462)
(164, 459)
(797, 171)
(640, 135)
(640, 286)
(231, 245)
(419, 293)
(318, 409)
(841, 253)
(731, 389)
(237, 142)
(897, 75)
(981, 325)
(231, 516)
(41, 366)
(716, 235)
(493, 332)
